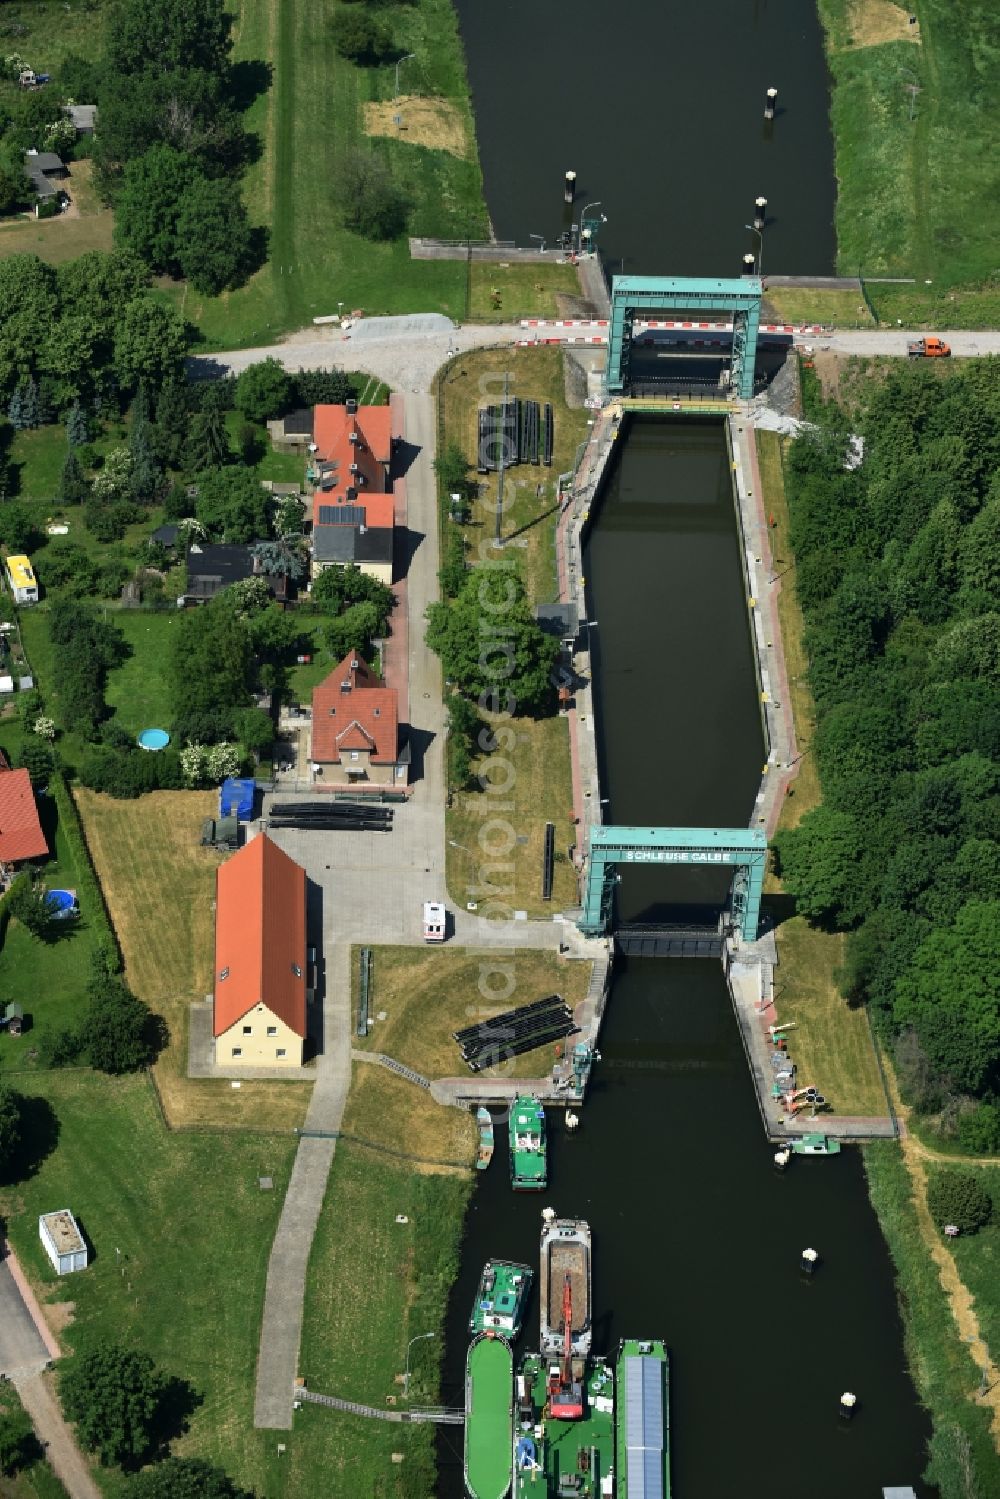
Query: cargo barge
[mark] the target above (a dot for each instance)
(504, 1288)
(556, 1455)
(642, 1420)
(528, 1146)
(565, 1261)
(489, 1417)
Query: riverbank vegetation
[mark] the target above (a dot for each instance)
(914, 124)
(897, 574)
(963, 1456)
(536, 744)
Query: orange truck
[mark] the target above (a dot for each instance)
(928, 348)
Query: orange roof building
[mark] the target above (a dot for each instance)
(21, 835)
(260, 958)
(355, 728)
(352, 464)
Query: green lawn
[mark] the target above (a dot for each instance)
(372, 1285)
(47, 978)
(306, 120)
(139, 691)
(917, 196)
(180, 1234)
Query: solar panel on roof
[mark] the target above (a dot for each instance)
(644, 1427)
(341, 515)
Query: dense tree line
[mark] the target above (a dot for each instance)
(899, 579)
(170, 143)
(86, 332)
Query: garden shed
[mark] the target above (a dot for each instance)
(62, 1241)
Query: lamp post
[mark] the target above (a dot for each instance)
(541, 240)
(398, 66)
(406, 1376)
(760, 250)
(579, 232)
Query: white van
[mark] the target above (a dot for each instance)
(435, 919)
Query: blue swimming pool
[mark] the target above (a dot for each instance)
(61, 902)
(153, 739)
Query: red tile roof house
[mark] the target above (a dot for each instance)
(355, 729)
(259, 1015)
(21, 836)
(353, 503)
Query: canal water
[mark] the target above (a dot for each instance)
(659, 109)
(696, 1237)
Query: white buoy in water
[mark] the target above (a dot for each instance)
(847, 1404)
(572, 1120)
(548, 1214)
(782, 1158)
(809, 1261)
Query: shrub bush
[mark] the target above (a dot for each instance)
(960, 1198)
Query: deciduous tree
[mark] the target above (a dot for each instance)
(114, 1396)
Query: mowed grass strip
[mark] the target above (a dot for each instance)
(159, 884)
(429, 995)
(386, 1111)
(915, 131)
(372, 1285)
(832, 1044)
(806, 792)
(842, 309)
(179, 1232)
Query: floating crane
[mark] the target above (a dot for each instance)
(565, 1383)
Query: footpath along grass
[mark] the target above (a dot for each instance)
(917, 195)
(373, 1284)
(37, 1480)
(963, 1458)
(193, 1230)
(831, 1044)
(160, 889)
(429, 995)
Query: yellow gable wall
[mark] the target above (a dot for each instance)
(259, 1049)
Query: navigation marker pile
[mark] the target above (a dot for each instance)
(514, 1032)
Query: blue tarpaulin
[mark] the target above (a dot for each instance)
(236, 798)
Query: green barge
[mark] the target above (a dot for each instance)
(528, 1145)
(504, 1289)
(489, 1417)
(642, 1419)
(574, 1455)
